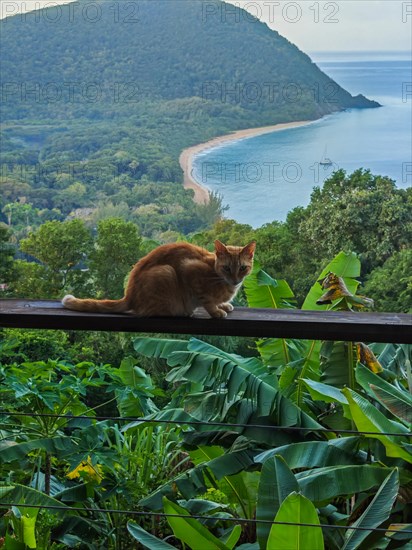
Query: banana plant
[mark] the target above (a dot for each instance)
(294, 360)
(286, 357)
(188, 530)
(228, 388)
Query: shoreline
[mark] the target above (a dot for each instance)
(186, 157)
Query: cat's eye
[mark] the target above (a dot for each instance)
(243, 267)
(226, 268)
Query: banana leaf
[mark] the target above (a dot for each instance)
(235, 380)
(318, 454)
(239, 488)
(336, 360)
(231, 463)
(296, 509)
(146, 539)
(324, 484)
(241, 491)
(325, 392)
(134, 398)
(376, 513)
(367, 358)
(253, 379)
(160, 348)
(200, 506)
(59, 446)
(279, 352)
(27, 495)
(28, 520)
(343, 265)
(368, 419)
(396, 401)
(399, 533)
(398, 406)
(276, 483)
(262, 291)
(190, 484)
(190, 531)
(394, 357)
(232, 537)
(336, 291)
(5, 490)
(177, 414)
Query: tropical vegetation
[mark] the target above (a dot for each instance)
(111, 441)
(232, 453)
(101, 134)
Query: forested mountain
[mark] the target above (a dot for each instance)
(99, 98)
(163, 49)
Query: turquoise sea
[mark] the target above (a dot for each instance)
(262, 178)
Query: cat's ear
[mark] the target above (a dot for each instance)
(220, 248)
(249, 249)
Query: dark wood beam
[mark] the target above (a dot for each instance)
(274, 323)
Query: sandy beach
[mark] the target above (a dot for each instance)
(187, 155)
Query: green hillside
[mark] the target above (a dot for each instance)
(161, 49)
(98, 99)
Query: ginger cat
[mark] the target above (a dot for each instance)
(175, 279)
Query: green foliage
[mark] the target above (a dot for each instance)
(391, 284)
(227, 231)
(377, 512)
(55, 460)
(117, 249)
(31, 280)
(191, 531)
(146, 539)
(264, 291)
(275, 473)
(113, 163)
(19, 345)
(355, 204)
(369, 419)
(180, 73)
(346, 266)
(6, 255)
(334, 221)
(75, 153)
(296, 509)
(60, 247)
(236, 463)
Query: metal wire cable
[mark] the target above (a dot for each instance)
(196, 423)
(198, 516)
(200, 423)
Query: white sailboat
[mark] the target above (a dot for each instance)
(325, 160)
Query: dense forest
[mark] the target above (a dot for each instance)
(103, 434)
(97, 105)
(92, 253)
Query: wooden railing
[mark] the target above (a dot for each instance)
(274, 323)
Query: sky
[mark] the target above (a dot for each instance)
(341, 25)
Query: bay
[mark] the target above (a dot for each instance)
(262, 178)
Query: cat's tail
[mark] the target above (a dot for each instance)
(97, 306)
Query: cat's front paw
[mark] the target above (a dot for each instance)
(220, 313)
(217, 313)
(226, 306)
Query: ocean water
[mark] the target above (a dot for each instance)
(262, 178)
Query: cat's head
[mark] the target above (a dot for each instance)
(234, 263)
